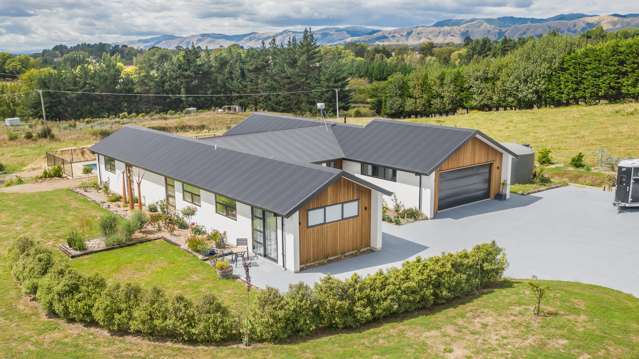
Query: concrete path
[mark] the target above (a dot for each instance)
(569, 233)
(48, 185)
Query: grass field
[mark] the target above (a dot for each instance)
(581, 321)
(565, 130)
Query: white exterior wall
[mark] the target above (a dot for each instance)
(292, 242)
(376, 220)
(206, 216)
(506, 166)
(113, 179)
(406, 188)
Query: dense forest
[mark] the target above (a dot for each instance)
(394, 81)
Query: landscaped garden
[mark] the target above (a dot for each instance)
(578, 319)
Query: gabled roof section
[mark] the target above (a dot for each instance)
(306, 144)
(265, 122)
(412, 147)
(278, 186)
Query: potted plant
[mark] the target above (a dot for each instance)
(502, 191)
(223, 268)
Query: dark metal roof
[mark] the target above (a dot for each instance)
(264, 122)
(279, 186)
(307, 144)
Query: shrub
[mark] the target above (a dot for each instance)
(45, 132)
(182, 319)
(28, 135)
(86, 170)
(14, 181)
(222, 265)
(108, 224)
(214, 322)
(544, 156)
(197, 244)
(101, 133)
(180, 222)
(578, 161)
(52, 172)
(155, 220)
(19, 247)
(153, 208)
(32, 265)
(126, 230)
(86, 185)
(217, 238)
(189, 212)
(115, 306)
(113, 197)
(114, 240)
(12, 136)
(2, 167)
(75, 241)
(198, 230)
(540, 177)
(138, 219)
(412, 213)
(150, 317)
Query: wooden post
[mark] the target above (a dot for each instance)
(130, 187)
(124, 189)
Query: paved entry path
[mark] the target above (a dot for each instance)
(49, 185)
(570, 233)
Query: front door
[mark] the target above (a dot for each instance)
(265, 233)
(170, 194)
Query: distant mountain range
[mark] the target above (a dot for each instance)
(445, 31)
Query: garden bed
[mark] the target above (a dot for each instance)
(528, 189)
(97, 245)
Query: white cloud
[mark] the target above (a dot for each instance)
(35, 24)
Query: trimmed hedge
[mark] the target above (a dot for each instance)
(331, 304)
(120, 308)
(351, 303)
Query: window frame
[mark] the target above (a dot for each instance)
(357, 206)
(192, 194)
(107, 164)
(323, 209)
(226, 207)
(377, 171)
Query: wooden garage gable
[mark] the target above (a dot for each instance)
(326, 241)
(473, 153)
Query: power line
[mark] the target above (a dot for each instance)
(183, 95)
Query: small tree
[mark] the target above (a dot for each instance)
(578, 161)
(539, 293)
(544, 156)
(188, 213)
(139, 176)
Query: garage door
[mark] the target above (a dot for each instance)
(463, 186)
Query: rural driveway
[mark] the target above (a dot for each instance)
(569, 233)
(48, 185)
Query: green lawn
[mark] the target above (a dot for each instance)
(582, 321)
(159, 263)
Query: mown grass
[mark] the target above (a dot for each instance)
(162, 264)
(581, 320)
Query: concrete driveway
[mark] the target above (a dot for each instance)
(570, 233)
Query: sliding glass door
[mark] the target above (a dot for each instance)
(265, 233)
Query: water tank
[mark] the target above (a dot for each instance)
(522, 168)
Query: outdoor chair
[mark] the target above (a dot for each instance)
(241, 242)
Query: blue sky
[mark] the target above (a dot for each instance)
(36, 24)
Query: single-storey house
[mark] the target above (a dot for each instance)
(305, 191)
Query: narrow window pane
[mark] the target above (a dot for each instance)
(351, 209)
(333, 213)
(315, 216)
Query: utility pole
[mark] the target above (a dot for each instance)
(44, 114)
(337, 103)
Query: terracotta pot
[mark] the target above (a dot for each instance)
(225, 273)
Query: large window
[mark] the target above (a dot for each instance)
(332, 213)
(191, 194)
(109, 164)
(386, 173)
(225, 206)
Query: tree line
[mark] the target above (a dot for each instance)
(549, 71)
(400, 81)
